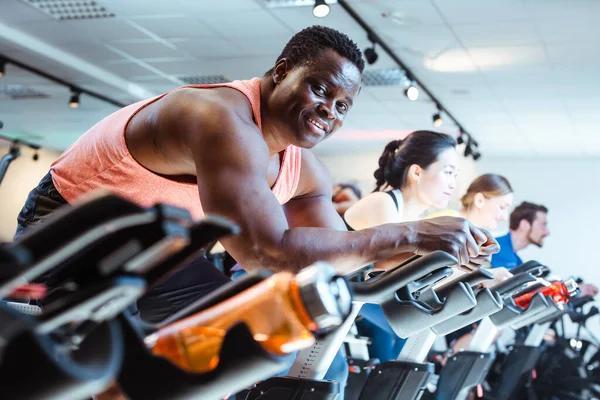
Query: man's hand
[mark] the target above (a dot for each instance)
(587, 289)
(472, 246)
(500, 275)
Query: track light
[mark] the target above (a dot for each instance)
(36, 156)
(321, 9)
(437, 118)
(460, 139)
(468, 149)
(2, 67)
(74, 100)
(371, 55)
(476, 156)
(412, 92)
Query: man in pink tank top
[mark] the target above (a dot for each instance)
(241, 151)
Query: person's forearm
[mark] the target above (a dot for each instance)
(346, 251)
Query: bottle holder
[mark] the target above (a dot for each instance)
(511, 314)
(541, 316)
(242, 363)
(410, 317)
(35, 366)
(488, 303)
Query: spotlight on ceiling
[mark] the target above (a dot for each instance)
(476, 156)
(437, 119)
(35, 156)
(371, 55)
(460, 139)
(321, 9)
(74, 100)
(468, 149)
(412, 92)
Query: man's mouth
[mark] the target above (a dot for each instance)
(317, 124)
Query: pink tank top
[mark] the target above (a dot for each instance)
(100, 159)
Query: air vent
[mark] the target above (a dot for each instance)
(20, 92)
(71, 9)
(294, 3)
(385, 77)
(204, 80)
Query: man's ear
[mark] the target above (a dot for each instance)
(280, 71)
(524, 225)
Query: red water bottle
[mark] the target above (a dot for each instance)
(560, 292)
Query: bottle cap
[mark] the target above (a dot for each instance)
(571, 286)
(326, 295)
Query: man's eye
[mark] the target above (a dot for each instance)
(320, 90)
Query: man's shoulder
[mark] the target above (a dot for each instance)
(216, 102)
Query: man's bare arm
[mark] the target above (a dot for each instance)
(231, 161)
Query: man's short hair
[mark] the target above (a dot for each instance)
(309, 43)
(525, 211)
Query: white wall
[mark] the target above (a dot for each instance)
(569, 188)
(23, 175)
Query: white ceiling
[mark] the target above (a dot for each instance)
(520, 75)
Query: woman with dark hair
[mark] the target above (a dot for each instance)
(414, 175)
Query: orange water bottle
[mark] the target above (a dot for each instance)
(559, 291)
(283, 313)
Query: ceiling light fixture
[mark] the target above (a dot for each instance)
(2, 67)
(74, 100)
(412, 92)
(371, 55)
(437, 117)
(321, 9)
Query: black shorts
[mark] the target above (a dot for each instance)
(189, 283)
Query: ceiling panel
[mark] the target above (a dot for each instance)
(125, 69)
(56, 32)
(477, 11)
(574, 54)
(512, 33)
(492, 116)
(561, 10)
(136, 8)
(18, 12)
(176, 26)
(148, 49)
(421, 41)
(399, 12)
(254, 24)
(108, 29)
(541, 106)
(298, 18)
(215, 47)
(189, 67)
(91, 52)
(507, 57)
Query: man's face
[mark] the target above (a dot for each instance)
(311, 101)
(539, 229)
